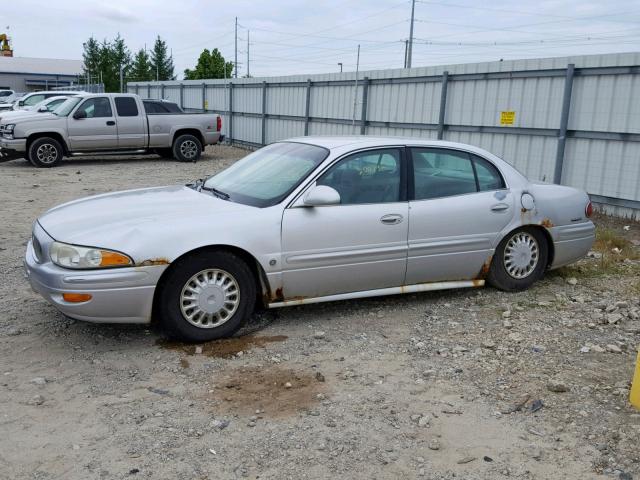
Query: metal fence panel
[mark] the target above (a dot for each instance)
(572, 119)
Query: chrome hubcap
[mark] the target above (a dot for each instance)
(47, 153)
(189, 149)
(521, 255)
(209, 298)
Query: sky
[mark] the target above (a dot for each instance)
(288, 37)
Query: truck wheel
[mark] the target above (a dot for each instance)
(45, 152)
(206, 296)
(187, 148)
(164, 152)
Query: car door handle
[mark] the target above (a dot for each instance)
(111, 123)
(391, 219)
(499, 207)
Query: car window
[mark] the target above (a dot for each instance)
(489, 177)
(367, 177)
(126, 107)
(151, 107)
(171, 107)
(96, 107)
(266, 176)
(53, 104)
(441, 173)
(33, 99)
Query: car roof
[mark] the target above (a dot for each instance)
(366, 141)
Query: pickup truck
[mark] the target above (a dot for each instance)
(107, 123)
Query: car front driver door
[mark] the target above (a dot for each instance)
(93, 126)
(359, 244)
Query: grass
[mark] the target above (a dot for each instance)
(610, 263)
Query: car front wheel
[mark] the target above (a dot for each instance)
(45, 152)
(206, 296)
(519, 260)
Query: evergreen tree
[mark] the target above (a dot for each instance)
(210, 65)
(161, 62)
(91, 58)
(141, 68)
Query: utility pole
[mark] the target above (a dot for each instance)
(121, 78)
(410, 48)
(406, 46)
(355, 87)
(235, 63)
(247, 53)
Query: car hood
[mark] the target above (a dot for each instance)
(16, 114)
(28, 116)
(117, 220)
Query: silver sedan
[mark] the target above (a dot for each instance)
(307, 220)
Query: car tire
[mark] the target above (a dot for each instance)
(187, 148)
(519, 261)
(164, 152)
(45, 152)
(206, 296)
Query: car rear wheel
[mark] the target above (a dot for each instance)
(187, 148)
(206, 296)
(45, 152)
(519, 260)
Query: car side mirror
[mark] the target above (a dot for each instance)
(80, 114)
(21, 103)
(43, 109)
(321, 195)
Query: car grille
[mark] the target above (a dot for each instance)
(37, 249)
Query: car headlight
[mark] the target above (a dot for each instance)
(9, 128)
(74, 256)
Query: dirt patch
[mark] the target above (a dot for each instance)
(224, 348)
(274, 391)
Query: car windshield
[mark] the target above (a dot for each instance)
(266, 176)
(65, 108)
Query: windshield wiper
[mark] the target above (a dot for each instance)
(216, 192)
(198, 186)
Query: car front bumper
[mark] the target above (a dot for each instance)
(118, 295)
(13, 145)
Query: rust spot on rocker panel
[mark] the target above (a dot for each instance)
(484, 271)
(153, 261)
(478, 283)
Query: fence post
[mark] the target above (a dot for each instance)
(137, 89)
(182, 96)
(230, 113)
(307, 107)
(204, 97)
(365, 101)
(264, 113)
(443, 104)
(162, 91)
(564, 122)
(148, 90)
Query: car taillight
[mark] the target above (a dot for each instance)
(588, 211)
(219, 123)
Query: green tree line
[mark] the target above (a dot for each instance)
(102, 62)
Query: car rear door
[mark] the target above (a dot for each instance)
(131, 122)
(97, 129)
(360, 244)
(459, 205)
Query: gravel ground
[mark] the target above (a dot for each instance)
(473, 384)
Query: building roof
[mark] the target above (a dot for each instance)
(50, 66)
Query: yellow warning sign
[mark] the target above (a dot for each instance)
(206, 104)
(507, 118)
